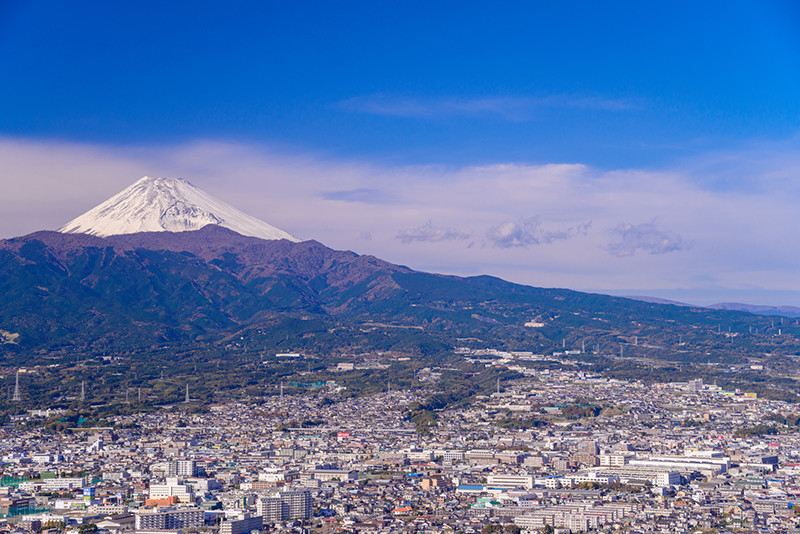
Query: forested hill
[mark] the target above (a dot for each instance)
(62, 294)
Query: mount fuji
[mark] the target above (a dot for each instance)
(167, 205)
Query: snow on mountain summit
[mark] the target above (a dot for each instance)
(167, 205)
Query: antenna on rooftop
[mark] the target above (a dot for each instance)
(16, 396)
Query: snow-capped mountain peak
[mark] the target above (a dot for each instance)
(167, 205)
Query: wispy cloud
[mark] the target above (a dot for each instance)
(363, 195)
(428, 233)
(531, 231)
(513, 108)
(645, 237)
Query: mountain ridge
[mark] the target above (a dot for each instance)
(78, 292)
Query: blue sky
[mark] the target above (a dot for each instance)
(459, 137)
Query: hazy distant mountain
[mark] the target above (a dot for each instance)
(656, 300)
(783, 311)
(167, 205)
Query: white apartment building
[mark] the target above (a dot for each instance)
(510, 481)
(616, 459)
(170, 520)
(284, 505)
(51, 484)
(241, 526)
(450, 456)
(173, 488)
(182, 468)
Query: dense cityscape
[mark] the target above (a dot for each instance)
(554, 451)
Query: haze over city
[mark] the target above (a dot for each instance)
(624, 148)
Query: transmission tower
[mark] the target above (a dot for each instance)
(16, 396)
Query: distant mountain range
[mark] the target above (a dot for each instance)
(97, 286)
(656, 300)
(783, 311)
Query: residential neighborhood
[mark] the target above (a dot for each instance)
(556, 451)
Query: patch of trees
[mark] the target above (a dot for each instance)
(757, 430)
(579, 411)
(788, 420)
(520, 423)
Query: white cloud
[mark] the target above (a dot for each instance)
(531, 231)
(430, 234)
(645, 237)
(363, 195)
